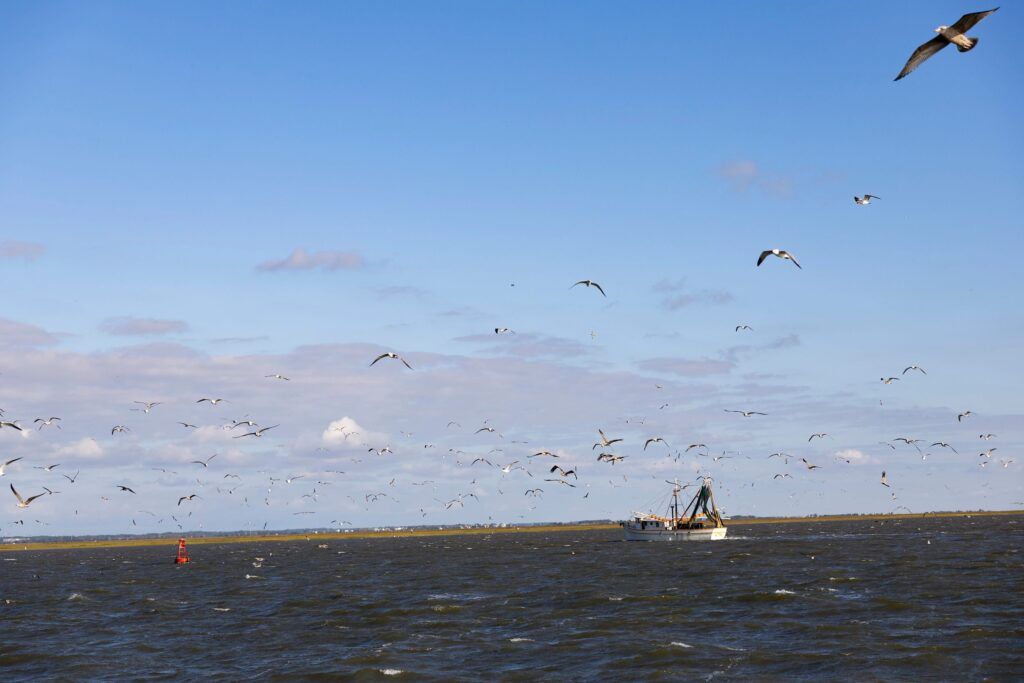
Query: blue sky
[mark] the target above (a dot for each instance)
(152, 158)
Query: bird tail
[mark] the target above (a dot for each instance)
(972, 40)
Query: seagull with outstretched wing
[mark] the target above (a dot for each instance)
(946, 34)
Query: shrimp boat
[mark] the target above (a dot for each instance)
(700, 520)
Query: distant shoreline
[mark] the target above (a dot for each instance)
(474, 531)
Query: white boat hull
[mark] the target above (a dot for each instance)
(660, 534)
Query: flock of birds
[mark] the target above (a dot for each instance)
(535, 479)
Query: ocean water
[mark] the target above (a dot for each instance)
(921, 599)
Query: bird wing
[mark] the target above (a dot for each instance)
(763, 256)
(17, 495)
(581, 282)
(923, 53)
(383, 355)
(598, 288)
(406, 364)
(967, 21)
(791, 258)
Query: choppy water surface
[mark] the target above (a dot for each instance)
(905, 600)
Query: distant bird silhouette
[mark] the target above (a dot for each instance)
(591, 283)
(780, 253)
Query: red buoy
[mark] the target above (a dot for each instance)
(182, 557)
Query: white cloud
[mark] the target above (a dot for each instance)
(86, 447)
(856, 457)
(347, 432)
(300, 259)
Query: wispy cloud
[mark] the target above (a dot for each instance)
(528, 345)
(239, 340)
(677, 296)
(687, 367)
(399, 291)
(13, 333)
(128, 326)
(742, 175)
(13, 250)
(735, 353)
(300, 259)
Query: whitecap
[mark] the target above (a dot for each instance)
(76, 596)
(221, 609)
(783, 591)
(521, 640)
(391, 672)
(677, 643)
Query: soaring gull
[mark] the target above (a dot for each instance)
(947, 34)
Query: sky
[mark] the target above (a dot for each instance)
(196, 196)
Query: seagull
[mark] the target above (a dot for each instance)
(865, 200)
(610, 457)
(146, 405)
(24, 502)
(125, 489)
(562, 472)
(3, 465)
(549, 453)
(695, 445)
(914, 367)
(212, 401)
(885, 482)
(745, 413)
(563, 482)
(985, 437)
(481, 460)
(184, 498)
(511, 466)
(780, 476)
(809, 465)
(820, 435)
(591, 283)
(503, 330)
(258, 433)
(119, 429)
(14, 425)
(239, 423)
(888, 380)
(744, 327)
(391, 355)
(654, 439)
(943, 444)
(379, 451)
(605, 441)
(490, 430)
(781, 253)
(48, 468)
(72, 479)
(947, 34)
(961, 416)
(533, 492)
(204, 463)
(47, 422)
(276, 376)
(186, 425)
